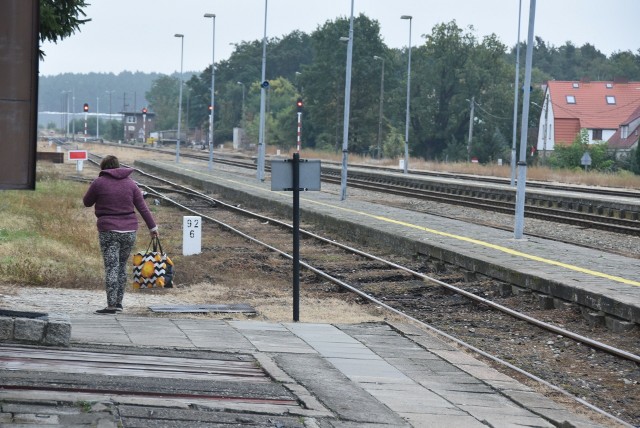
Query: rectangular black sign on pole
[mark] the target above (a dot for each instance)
(295, 175)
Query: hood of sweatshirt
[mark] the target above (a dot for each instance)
(117, 173)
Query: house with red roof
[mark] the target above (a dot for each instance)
(602, 108)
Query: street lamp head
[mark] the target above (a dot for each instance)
(406, 17)
(344, 39)
(209, 15)
(240, 83)
(378, 58)
(178, 35)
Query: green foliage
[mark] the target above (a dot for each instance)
(450, 68)
(569, 62)
(570, 156)
(281, 118)
(163, 100)
(323, 81)
(60, 19)
(455, 151)
(393, 146)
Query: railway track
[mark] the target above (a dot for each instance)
(394, 185)
(577, 214)
(505, 328)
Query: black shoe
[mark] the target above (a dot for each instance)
(106, 311)
(119, 307)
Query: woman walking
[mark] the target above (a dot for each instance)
(115, 196)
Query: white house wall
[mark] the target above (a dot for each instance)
(550, 134)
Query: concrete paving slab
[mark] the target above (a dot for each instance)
(277, 341)
(415, 401)
(344, 398)
(343, 376)
(369, 371)
(506, 416)
(442, 421)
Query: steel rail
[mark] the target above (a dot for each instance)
(384, 305)
(549, 327)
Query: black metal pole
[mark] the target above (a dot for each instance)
(296, 236)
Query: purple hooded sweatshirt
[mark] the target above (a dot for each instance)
(115, 195)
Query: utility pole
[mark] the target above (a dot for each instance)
(473, 104)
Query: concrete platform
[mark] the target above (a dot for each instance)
(595, 280)
(322, 375)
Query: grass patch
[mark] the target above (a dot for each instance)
(48, 236)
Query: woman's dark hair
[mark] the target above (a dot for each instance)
(109, 162)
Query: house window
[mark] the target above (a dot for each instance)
(611, 99)
(624, 131)
(576, 85)
(131, 119)
(597, 134)
(609, 85)
(571, 99)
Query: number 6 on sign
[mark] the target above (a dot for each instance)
(191, 235)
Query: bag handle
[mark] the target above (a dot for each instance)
(155, 241)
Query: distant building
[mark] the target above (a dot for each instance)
(137, 125)
(599, 107)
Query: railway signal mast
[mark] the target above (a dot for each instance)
(86, 111)
(144, 125)
(299, 106)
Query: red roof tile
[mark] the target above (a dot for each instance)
(591, 107)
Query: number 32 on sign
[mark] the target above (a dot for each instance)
(191, 235)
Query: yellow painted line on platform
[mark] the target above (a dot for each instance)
(450, 235)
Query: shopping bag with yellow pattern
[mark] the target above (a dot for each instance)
(152, 269)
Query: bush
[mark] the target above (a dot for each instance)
(570, 157)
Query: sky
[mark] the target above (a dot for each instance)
(138, 35)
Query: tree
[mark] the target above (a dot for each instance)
(449, 69)
(281, 119)
(324, 80)
(60, 19)
(163, 100)
(285, 57)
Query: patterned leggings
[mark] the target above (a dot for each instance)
(116, 248)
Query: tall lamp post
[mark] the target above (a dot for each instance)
(406, 129)
(66, 114)
(242, 121)
(213, 85)
(263, 95)
(347, 104)
(515, 102)
(73, 114)
(98, 118)
(381, 103)
(522, 163)
(181, 36)
(109, 92)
